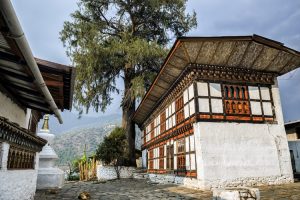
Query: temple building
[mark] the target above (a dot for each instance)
(212, 117)
(29, 88)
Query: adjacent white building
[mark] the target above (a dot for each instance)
(293, 136)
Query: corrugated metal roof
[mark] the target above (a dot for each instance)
(250, 52)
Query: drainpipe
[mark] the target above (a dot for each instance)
(18, 35)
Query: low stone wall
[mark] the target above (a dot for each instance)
(172, 179)
(208, 185)
(249, 181)
(17, 184)
(109, 173)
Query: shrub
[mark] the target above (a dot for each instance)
(114, 150)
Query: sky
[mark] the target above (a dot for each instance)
(275, 19)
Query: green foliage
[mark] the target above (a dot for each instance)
(114, 148)
(73, 170)
(107, 39)
(75, 165)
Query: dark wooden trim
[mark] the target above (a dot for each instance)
(16, 135)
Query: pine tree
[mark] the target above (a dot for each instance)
(111, 39)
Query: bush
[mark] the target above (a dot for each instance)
(114, 149)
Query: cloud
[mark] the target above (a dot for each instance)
(276, 19)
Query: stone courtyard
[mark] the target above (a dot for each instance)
(141, 189)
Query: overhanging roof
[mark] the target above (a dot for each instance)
(60, 82)
(292, 124)
(18, 81)
(249, 52)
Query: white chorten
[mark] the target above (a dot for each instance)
(49, 176)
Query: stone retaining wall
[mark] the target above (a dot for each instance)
(172, 179)
(207, 185)
(250, 181)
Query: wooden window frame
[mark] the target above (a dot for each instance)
(240, 117)
(19, 159)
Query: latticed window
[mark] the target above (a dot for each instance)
(180, 146)
(179, 110)
(236, 99)
(161, 157)
(181, 162)
(180, 154)
(162, 122)
(150, 159)
(152, 130)
(20, 159)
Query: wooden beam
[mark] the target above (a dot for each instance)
(54, 83)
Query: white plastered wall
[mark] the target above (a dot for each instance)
(13, 112)
(19, 184)
(232, 154)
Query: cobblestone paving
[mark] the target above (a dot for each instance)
(280, 192)
(123, 190)
(140, 189)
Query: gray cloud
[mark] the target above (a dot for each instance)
(276, 19)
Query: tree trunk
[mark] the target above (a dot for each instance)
(128, 107)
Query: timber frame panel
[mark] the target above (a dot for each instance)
(237, 79)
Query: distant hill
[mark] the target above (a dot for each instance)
(70, 145)
(72, 122)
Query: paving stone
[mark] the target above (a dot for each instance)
(140, 189)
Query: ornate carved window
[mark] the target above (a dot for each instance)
(236, 99)
(20, 159)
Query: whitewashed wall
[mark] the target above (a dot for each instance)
(231, 154)
(144, 158)
(109, 173)
(12, 111)
(295, 147)
(16, 184)
(171, 178)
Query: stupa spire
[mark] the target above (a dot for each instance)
(46, 123)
